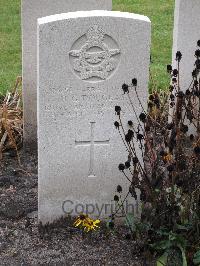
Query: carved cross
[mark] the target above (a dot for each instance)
(92, 143)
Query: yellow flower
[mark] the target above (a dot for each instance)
(88, 224)
(168, 157)
(80, 219)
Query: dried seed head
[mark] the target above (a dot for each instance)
(174, 80)
(197, 53)
(117, 110)
(121, 167)
(135, 160)
(125, 88)
(116, 198)
(178, 56)
(129, 135)
(151, 97)
(142, 117)
(134, 82)
(127, 164)
(116, 124)
(130, 123)
(119, 189)
(169, 68)
(172, 97)
(175, 72)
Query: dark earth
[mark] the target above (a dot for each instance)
(24, 242)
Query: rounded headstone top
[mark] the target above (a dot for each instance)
(93, 13)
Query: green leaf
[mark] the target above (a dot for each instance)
(185, 227)
(196, 258)
(177, 240)
(183, 255)
(130, 221)
(162, 261)
(162, 245)
(167, 258)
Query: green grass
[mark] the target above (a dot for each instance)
(159, 11)
(161, 14)
(10, 43)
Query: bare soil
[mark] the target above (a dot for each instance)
(24, 242)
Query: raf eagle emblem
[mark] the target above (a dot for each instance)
(95, 59)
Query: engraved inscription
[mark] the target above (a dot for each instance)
(94, 56)
(86, 100)
(92, 144)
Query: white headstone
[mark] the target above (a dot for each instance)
(186, 35)
(83, 60)
(31, 11)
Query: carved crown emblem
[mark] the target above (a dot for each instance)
(95, 59)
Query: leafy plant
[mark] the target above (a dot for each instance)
(196, 258)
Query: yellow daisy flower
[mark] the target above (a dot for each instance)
(88, 224)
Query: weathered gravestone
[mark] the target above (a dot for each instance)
(186, 35)
(83, 59)
(31, 11)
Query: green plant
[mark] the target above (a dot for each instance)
(196, 258)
